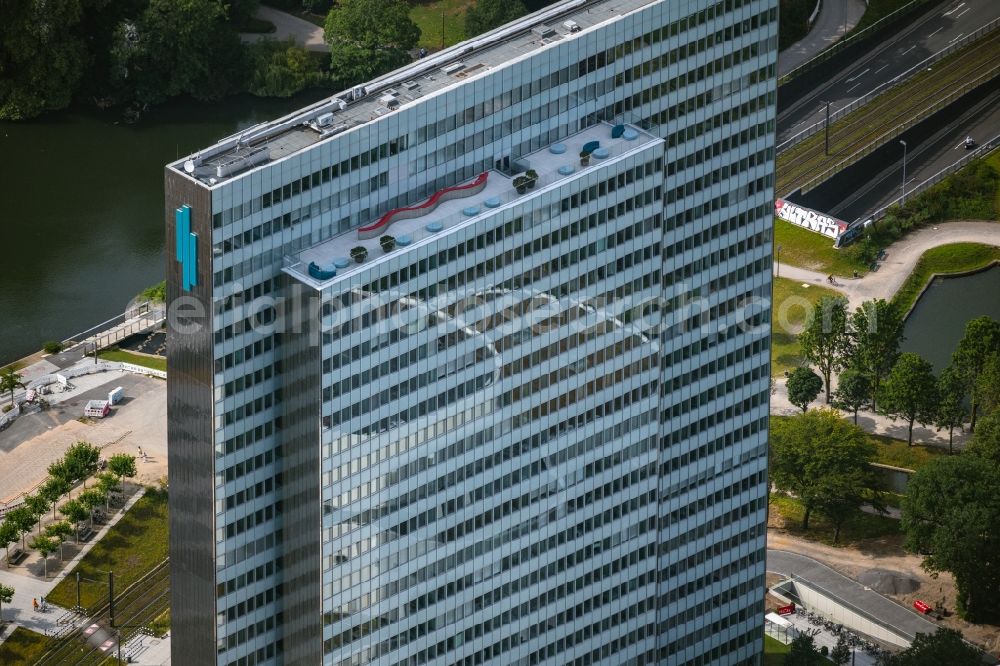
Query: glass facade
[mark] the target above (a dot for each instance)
(533, 434)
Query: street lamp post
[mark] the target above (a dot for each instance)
(902, 199)
(777, 261)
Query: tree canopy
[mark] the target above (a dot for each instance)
(950, 515)
(485, 15)
(368, 38)
(945, 646)
(854, 390)
(950, 411)
(823, 460)
(876, 331)
(803, 386)
(824, 341)
(980, 342)
(802, 652)
(910, 392)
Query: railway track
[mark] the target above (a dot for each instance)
(806, 165)
(135, 607)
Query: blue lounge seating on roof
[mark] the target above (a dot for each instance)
(617, 131)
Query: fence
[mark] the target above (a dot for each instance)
(854, 38)
(818, 126)
(883, 139)
(981, 151)
(137, 319)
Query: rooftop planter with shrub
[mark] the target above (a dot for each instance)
(531, 176)
(359, 254)
(584, 158)
(520, 184)
(387, 242)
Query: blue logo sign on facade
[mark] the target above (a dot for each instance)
(187, 247)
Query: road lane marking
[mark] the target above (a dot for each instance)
(855, 78)
(854, 86)
(880, 68)
(955, 9)
(936, 31)
(955, 39)
(909, 49)
(960, 15)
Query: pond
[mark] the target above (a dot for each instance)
(937, 322)
(83, 221)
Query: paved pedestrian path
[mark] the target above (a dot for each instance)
(836, 18)
(901, 257)
(287, 27)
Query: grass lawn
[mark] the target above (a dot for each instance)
(136, 544)
(774, 651)
(953, 258)
(154, 362)
(23, 648)
(895, 452)
(427, 15)
(808, 249)
(789, 312)
(863, 527)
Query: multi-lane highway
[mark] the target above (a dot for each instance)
(981, 122)
(932, 32)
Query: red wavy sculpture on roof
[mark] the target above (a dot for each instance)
(455, 192)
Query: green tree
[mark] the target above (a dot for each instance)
(840, 497)
(122, 465)
(811, 450)
(46, 547)
(950, 516)
(92, 499)
(177, 47)
(8, 534)
(910, 392)
(59, 469)
(368, 38)
(43, 55)
(6, 597)
(985, 443)
(53, 490)
(10, 381)
(281, 69)
(988, 384)
(485, 15)
(981, 340)
(876, 331)
(945, 646)
(841, 652)
(854, 390)
(803, 386)
(802, 652)
(950, 411)
(82, 459)
(824, 341)
(76, 513)
(38, 505)
(108, 483)
(23, 520)
(59, 531)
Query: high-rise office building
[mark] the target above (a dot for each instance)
(470, 365)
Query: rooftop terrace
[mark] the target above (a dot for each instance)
(271, 141)
(330, 261)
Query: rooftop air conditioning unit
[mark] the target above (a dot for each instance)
(341, 104)
(391, 91)
(543, 31)
(572, 26)
(324, 120)
(389, 102)
(411, 85)
(358, 92)
(453, 67)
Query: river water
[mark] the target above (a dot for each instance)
(82, 222)
(937, 323)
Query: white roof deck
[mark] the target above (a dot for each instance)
(450, 214)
